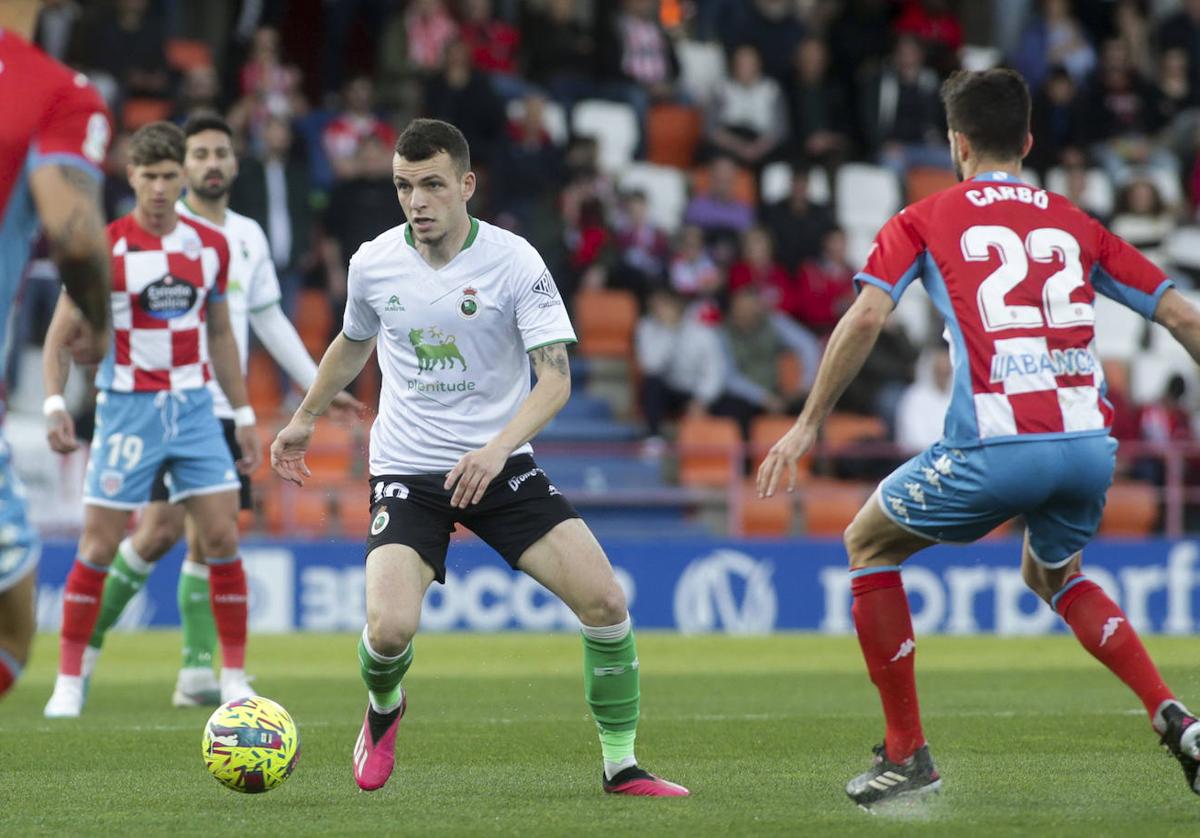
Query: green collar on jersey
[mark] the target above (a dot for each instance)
(470, 240)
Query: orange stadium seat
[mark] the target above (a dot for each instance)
(672, 134)
(605, 320)
(843, 428)
(262, 381)
(765, 431)
(745, 186)
(314, 319)
(923, 181)
(139, 112)
(185, 54)
(709, 450)
(336, 453)
(830, 505)
(296, 510)
(771, 516)
(1132, 509)
(353, 510)
(790, 371)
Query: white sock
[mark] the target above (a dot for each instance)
(231, 674)
(613, 632)
(383, 711)
(90, 655)
(612, 769)
(191, 568)
(132, 560)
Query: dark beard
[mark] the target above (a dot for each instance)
(211, 193)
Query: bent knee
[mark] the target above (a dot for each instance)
(607, 608)
(389, 635)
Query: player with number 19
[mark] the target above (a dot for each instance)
(1014, 270)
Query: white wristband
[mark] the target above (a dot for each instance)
(243, 417)
(53, 404)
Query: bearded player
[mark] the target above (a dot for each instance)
(459, 310)
(53, 137)
(1014, 271)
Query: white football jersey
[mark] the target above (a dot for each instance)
(452, 342)
(253, 284)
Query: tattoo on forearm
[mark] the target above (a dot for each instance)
(550, 358)
(83, 270)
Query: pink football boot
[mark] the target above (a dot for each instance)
(373, 760)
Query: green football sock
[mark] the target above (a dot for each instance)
(382, 674)
(126, 577)
(610, 684)
(195, 613)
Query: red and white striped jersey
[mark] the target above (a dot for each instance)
(160, 292)
(1015, 271)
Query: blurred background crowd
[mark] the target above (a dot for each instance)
(703, 177)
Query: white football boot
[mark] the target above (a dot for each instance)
(196, 686)
(66, 702)
(234, 685)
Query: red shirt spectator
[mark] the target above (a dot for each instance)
(493, 43)
(826, 286)
(933, 22)
(343, 136)
(757, 268)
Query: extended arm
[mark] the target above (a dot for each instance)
(477, 469)
(849, 345)
(343, 360)
(1182, 319)
(56, 367)
(68, 203)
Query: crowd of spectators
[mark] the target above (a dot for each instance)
(317, 92)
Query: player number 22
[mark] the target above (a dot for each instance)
(127, 447)
(1044, 244)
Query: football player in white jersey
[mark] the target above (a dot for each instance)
(253, 294)
(458, 309)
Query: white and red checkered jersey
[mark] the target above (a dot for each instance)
(1014, 271)
(160, 292)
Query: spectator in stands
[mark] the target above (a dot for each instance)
(269, 88)
(463, 97)
(1177, 105)
(902, 114)
(681, 361)
(529, 171)
(937, 26)
(589, 244)
(339, 20)
(1181, 30)
(124, 50)
(820, 109)
(771, 26)
(637, 58)
(1076, 191)
(1054, 38)
(797, 225)
(719, 211)
(200, 92)
(559, 51)
(643, 249)
(1143, 220)
(1056, 120)
(56, 27)
(1163, 422)
(1131, 26)
(361, 207)
(921, 411)
(886, 373)
(859, 38)
(748, 116)
(430, 29)
(752, 347)
(757, 269)
(275, 190)
(493, 44)
(1123, 116)
(826, 285)
(343, 137)
(693, 273)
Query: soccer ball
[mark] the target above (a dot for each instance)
(251, 745)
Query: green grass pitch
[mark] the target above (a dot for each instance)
(1032, 737)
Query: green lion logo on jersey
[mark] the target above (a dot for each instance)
(444, 352)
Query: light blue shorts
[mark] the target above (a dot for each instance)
(19, 545)
(961, 494)
(138, 433)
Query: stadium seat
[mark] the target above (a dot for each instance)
(765, 431)
(924, 181)
(1119, 330)
(916, 315)
(554, 118)
(296, 510)
(336, 453)
(709, 451)
(1183, 248)
(830, 505)
(845, 428)
(262, 382)
(1116, 375)
(666, 192)
(1097, 192)
(139, 112)
(1132, 509)
(764, 517)
(702, 68)
(605, 320)
(614, 125)
(775, 183)
(353, 510)
(314, 319)
(745, 189)
(866, 196)
(184, 54)
(790, 370)
(672, 134)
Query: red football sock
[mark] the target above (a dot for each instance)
(227, 593)
(885, 633)
(1102, 629)
(9, 670)
(81, 607)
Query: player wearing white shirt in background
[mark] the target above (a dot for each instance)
(459, 309)
(253, 295)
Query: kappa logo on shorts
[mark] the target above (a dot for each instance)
(111, 482)
(380, 523)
